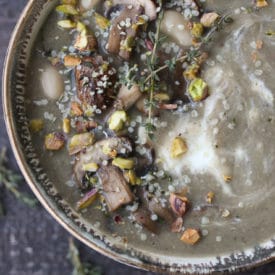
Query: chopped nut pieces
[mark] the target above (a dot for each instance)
(198, 90)
(227, 178)
(261, 3)
(210, 197)
(66, 24)
(208, 19)
(71, 60)
(36, 125)
(178, 147)
(79, 142)
(178, 204)
(117, 120)
(190, 236)
(66, 125)
(123, 163)
(67, 9)
(76, 109)
(197, 30)
(87, 200)
(90, 167)
(102, 21)
(54, 141)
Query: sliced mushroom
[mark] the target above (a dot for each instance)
(149, 6)
(115, 188)
(95, 81)
(122, 33)
(163, 212)
(126, 97)
(97, 154)
(143, 217)
(176, 26)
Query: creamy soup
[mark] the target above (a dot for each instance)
(158, 119)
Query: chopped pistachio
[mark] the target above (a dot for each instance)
(87, 200)
(190, 236)
(69, 2)
(127, 44)
(208, 19)
(80, 26)
(198, 89)
(191, 71)
(261, 3)
(117, 120)
(66, 24)
(81, 41)
(102, 21)
(123, 163)
(79, 142)
(226, 213)
(85, 41)
(178, 147)
(54, 141)
(90, 167)
(197, 30)
(227, 178)
(210, 197)
(161, 97)
(67, 9)
(66, 125)
(71, 60)
(36, 125)
(76, 109)
(131, 177)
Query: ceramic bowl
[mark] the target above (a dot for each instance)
(47, 189)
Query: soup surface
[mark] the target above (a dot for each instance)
(159, 117)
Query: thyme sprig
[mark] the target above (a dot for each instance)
(195, 51)
(10, 180)
(152, 64)
(80, 268)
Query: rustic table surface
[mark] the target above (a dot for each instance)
(31, 242)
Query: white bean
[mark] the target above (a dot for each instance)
(52, 83)
(88, 4)
(175, 26)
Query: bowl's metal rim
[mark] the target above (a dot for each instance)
(19, 156)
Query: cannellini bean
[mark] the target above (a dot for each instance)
(175, 26)
(52, 83)
(88, 4)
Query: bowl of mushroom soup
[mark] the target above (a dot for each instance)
(146, 128)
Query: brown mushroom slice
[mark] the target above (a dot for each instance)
(143, 217)
(127, 97)
(95, 81)
(163, 212)
(115, 188)
(122, 34)
(97, 153)
(149, 6)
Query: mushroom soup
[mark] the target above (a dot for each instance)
(158, 119)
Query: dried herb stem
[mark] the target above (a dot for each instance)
(10, 180)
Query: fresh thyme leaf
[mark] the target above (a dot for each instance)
(80, 268)
(10, 180)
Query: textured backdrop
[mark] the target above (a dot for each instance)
(31, 242)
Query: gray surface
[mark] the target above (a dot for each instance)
(31, 242)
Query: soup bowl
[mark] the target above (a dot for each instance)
(50, 192)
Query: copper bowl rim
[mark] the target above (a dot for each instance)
(19, 156)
